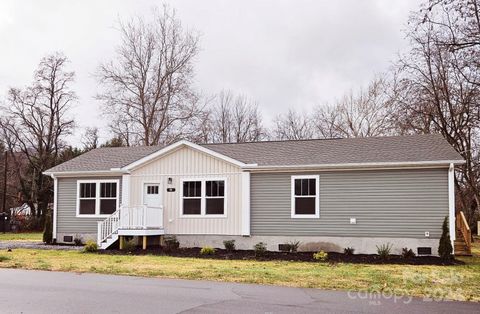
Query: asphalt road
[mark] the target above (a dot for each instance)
(23, 291)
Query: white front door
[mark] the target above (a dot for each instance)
(152, 196)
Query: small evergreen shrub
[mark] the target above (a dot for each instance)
(207, 250)
(229, 245)
(130, 245)
(407, 253)
(171, 243)
(260, 249)
(445, 246)
(77, 240)
(348, 251)
(293, 246)
(384, 250)
(90, 247)
(320, 256)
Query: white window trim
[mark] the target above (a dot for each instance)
(203, 197)
(97, 197)
(317, 196)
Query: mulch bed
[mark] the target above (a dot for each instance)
(333, 257)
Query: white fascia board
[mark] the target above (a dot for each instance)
(366, 165)
(176, 145)
(85, 173)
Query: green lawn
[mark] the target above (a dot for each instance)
(450, 282)
(21, 236)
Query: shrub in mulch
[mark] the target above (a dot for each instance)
(333, 257)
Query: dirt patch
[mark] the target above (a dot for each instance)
(333, 257)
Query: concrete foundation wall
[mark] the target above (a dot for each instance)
(309, 244)
(84, 236)
(329, 244)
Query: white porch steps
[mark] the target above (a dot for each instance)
(108, 241)
(108, 230)
(130, 221)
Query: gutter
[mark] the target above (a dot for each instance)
(349, 166)
(111, 172)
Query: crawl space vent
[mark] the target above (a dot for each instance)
(424, 251)
(67, 238)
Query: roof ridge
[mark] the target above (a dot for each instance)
(326, 139)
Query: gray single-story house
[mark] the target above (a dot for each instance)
(329, 194)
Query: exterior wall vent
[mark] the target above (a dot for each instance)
(67, 238)
(424, 251)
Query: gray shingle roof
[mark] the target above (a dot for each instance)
(414, 148)
(105, 158)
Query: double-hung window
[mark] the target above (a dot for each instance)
(203, 198)
(87, 198)
(108, 198)
(97, 197)
(192, 197)
(215, 197)
(305, 196)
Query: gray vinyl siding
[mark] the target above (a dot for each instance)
(67, 222)
(386, 203)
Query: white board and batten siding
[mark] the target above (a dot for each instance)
(183, 164)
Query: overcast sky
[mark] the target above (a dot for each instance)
(281, 53)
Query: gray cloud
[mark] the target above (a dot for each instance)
(281, 53)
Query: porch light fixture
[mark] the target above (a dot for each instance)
(170, 181)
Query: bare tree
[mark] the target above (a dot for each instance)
(440, 95)
(90, 138)
(365, 113)
(231, 118)
(456, 24)
(293, 126)
(148, 93)
(34, 123)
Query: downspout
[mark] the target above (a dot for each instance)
(451, 203)
(55, 205)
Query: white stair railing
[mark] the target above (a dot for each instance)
(140, 217)
(107, 227)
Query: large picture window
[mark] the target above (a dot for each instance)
(96, 198)
(305, 196)
(203, 198)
